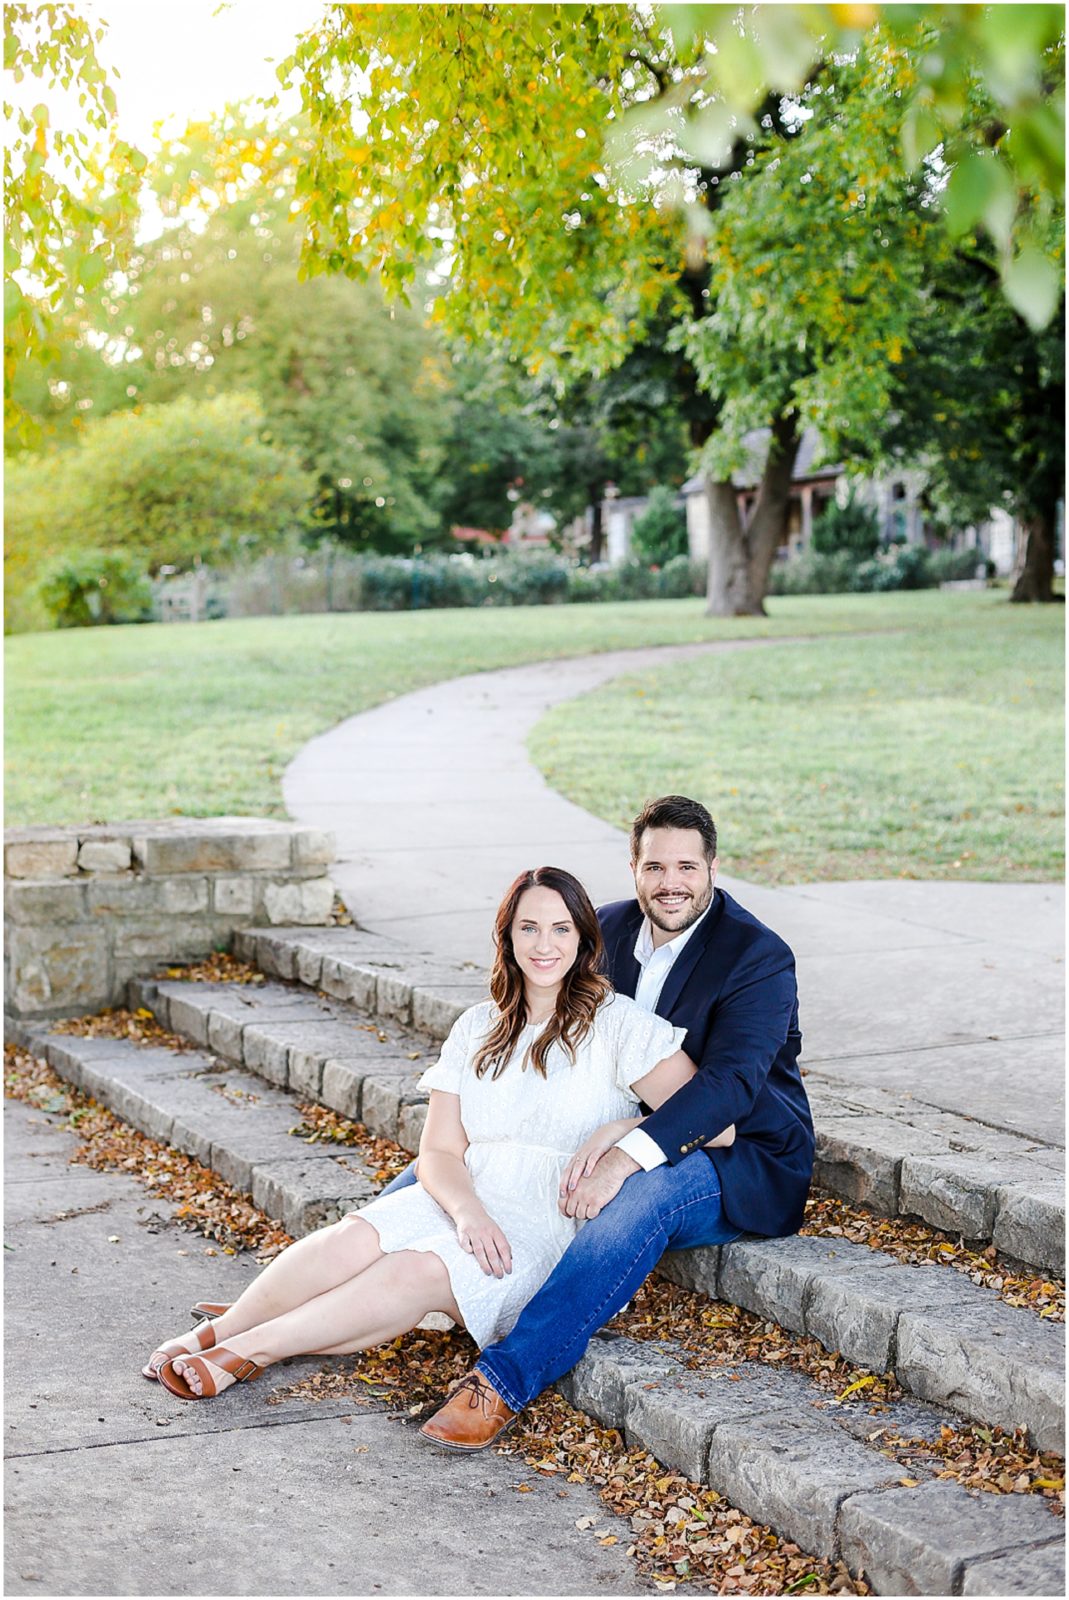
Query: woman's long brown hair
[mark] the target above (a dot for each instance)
(582, 989)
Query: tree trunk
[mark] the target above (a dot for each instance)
(728, 593)
(1034, 572)
(596, 529)
(740, 558)
(767, 528)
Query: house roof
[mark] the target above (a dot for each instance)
(756, 446)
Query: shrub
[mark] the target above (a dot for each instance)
(89, 587)
(814, 573)
(660, 533)
(168, 484)
(854, 528)
(950, 566)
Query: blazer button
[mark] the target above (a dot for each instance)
(682, 1149)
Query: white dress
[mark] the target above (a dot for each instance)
(522, 1130)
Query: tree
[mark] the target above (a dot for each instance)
(980, 404)
(171, 484)
(357, 390)
(661, 532)
(70, 194)
(478, 139)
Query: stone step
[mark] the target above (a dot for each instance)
(770, 1440)
(883, 1150)
(230, 1120)
(787, 1453)
(946, 1339)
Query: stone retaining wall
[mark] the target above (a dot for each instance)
(87, 908)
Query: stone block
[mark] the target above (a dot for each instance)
(244, 946)
(165, 939)
(854, 1313)
(208, 851)
(313, 847)
(305, 1194)
(410, 1125)
(991, 1362)
(598, 1383)
(264, 1052)
(57, 970)
(39, 904)
(435, 1008)
(381, 1099)
(917, 1541)
(959, 1192)
(309, 901)
(341, 1088)
(345, 980)
(129, 897)
(193, 1134)
(676, 1417)
(306, 1071)
(73, 1058)
(104, 855)
(393, 995)
(794, 1473)
(225, 1035)
(41, 858)
(188, 1015)
(1030, 1222)
(771, 1276)
(184, 895)
(1025, 1572)
(276, 957)
(141, 1110)
(235, 897)
(859, 1157)
(238, 1153)
(693, 1269)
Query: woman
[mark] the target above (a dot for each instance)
(530, 1088)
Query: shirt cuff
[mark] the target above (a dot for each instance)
(641, 1148)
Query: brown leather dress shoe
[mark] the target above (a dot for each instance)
(473, 1417)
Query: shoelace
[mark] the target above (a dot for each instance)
(479, 1393)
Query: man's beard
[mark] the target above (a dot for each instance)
(699, 903)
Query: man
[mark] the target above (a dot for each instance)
(689, 952)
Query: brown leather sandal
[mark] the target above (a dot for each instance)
(205, 1310)
(241, 1367)
(165, 1352)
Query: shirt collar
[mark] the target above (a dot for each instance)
(644, 947)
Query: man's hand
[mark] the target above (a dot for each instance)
(593, 1194)
(588, 1155)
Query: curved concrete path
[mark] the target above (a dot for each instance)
(950, 992)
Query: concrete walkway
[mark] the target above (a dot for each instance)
(949, 992)
(114, 1487)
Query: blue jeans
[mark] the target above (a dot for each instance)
(670, 1208)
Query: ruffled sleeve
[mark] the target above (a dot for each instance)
(455, 1053)
(642, 1040)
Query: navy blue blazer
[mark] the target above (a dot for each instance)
(733, 988)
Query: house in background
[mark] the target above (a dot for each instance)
(898, 499)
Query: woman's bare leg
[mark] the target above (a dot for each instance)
(390, 1297)
(310, 1267)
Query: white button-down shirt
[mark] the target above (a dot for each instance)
(656, 964)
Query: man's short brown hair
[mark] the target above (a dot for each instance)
(674, 811)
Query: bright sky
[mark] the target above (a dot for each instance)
(184, 59)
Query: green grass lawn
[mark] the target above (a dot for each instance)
(936, 753)
(113, 723)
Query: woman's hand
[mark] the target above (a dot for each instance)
(590, 1153)
(480, 1236)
